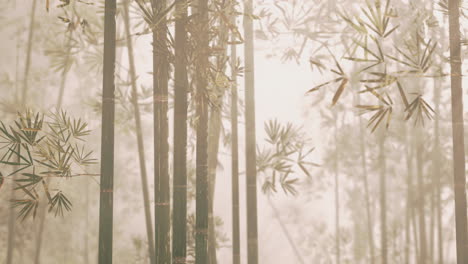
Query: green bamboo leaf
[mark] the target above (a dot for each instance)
(60, 203)
(29, 207)
(30, 179)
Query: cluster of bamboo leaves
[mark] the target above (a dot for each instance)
(293, 26)
(386, 58)
(386, 54)
(81, 31)
(392, 61)
(285, 157)
(40, 151)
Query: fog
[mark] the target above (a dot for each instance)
(219, 131)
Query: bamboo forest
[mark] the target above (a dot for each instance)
(233, 131)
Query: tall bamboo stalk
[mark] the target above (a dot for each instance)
(161, 134)
(139, 133)
(85, 233)
(214, 135)
(414, 223)
(383, 197)
(337, 195)
(250, 136)
(179, 220)
(421, 199)
(437, 173)
(432, 220)
(458, 132)
(409, 195)
(407, 231)
(11, 230)
(202, 182)
(234, 154)
(107, 145)
(370, 226)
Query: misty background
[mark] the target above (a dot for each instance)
(325, 210)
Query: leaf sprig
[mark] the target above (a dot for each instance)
(286, 156)
(39, 149)
(379, 55)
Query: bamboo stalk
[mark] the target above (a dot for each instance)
(234, 155)
(179, 221)
(458, 132)
(250, 135)
(370, 229)
(202, 181)
(107, 143)
(139, 134)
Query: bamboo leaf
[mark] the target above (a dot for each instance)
(391, 31)
(60, 203)
(323, 84)
(2, 180)
(339, 91)
(370, 107)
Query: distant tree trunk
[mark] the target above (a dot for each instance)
(277, 214)
(458, 132)
(139, 134)
(11, 230)
(383, 197)
(250, 136)
(370, 226)
(337, 195)
(202, 183)
(413, 195)
(421, 199)
(395, 242)
(161, 133)
(432, 221)
(22, 101)
(86, 240)
(65, 70)
(417, 259)
(43, 213)
(409, 195)
(437, 173)
(107, 145)
(28, 54)
(407, 233)
(432, 216)
(234, 155)
(179, 221)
